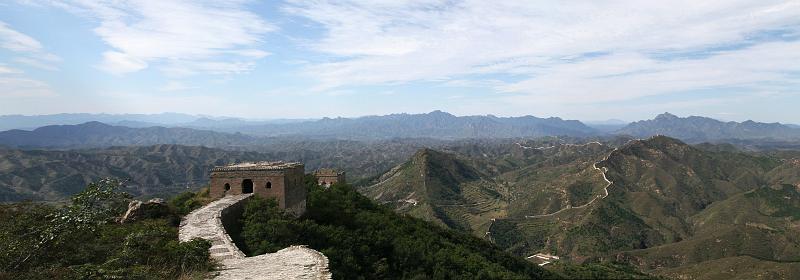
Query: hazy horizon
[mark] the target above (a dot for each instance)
(223, 117)
(728, 60)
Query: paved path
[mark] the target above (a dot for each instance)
(295, 262)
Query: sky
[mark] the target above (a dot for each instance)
(587, 60)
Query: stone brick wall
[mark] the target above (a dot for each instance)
(328, 177)
(285, 186)
(329, 180)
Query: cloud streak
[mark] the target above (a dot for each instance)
(180, 38)
(28, 50)
(556, 51)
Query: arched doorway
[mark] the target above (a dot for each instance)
(247, 186)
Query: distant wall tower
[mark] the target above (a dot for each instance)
(327, 176)
(282, 181)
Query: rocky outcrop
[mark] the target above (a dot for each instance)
(138, 210)
(295, 262)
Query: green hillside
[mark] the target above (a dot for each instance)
(670, 206)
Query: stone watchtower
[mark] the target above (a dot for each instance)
(282, 181)
(327, 177)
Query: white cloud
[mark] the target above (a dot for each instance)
(15, 41)
(180, 37)
(628, 76)
(27, 49)
(121, 63)
(556, 51)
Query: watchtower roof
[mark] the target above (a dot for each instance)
(261, 165)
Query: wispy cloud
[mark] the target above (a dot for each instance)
(27, 50)
(557, 51)
(178, 37)
(14, 84)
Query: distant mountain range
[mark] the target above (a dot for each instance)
(436, 124)
(227, 132)
(96, 134)
(699, 129)
(8, 122)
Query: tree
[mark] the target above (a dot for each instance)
(96, 205)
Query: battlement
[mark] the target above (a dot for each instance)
(261, 165)
(327, 172)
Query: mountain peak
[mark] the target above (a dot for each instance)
(666, 116)
(440, 113)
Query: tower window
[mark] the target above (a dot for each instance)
(227, 187)
(269, 185)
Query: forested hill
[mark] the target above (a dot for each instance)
(660, 204)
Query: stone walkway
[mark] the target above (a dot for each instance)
(295, 262)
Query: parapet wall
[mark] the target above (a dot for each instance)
(211, 221)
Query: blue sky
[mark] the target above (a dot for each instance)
(588, 60)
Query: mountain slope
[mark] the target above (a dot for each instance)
(152, 170)
(658, 184)
(509, 180)
(698, 129)
(439, 187)
(666, 206)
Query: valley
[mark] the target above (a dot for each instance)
(657, 204)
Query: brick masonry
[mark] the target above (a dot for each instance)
(278, 180)
(327, 177)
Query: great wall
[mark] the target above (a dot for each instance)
(210, 223)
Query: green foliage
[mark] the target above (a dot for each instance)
(266, 228)
(94, 206)
(365, 241)
(80, 241)
(185, 202)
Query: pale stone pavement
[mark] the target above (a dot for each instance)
(295, 262)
